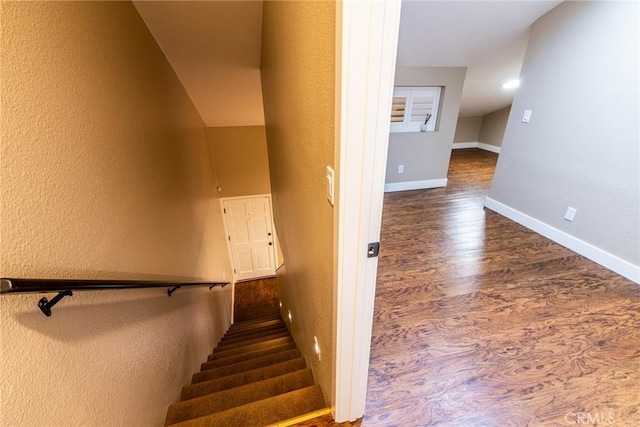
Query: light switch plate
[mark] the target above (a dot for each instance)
(330, 184)
(526, 116)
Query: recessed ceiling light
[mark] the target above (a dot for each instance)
(511, 84)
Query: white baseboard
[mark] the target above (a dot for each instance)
(459, 145)
(488, 147)
(480, 145)
(415, 185)
(597, 255)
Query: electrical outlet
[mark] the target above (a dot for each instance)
(400, 168)
(571, 213)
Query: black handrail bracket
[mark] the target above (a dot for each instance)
(45, 306)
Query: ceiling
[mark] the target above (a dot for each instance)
(488, 37)
(214, 47)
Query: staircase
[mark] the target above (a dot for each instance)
(255, 377)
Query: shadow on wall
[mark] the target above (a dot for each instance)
(80, 323)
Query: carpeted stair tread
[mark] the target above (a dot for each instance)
(249, 348)
(246, 326)
(247, 365)
(240, 332)
(247, 356)
(250, 324)
(253, 333)
(233, 332)
(251, 340)
(265, 411)
(242, 378)
(258, 319)
(226, 399)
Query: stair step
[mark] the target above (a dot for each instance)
(242, 334)
(247, 365)
(264, 412)
(236, 328)
(253, 333)
(226, 399)
(247, 356)
(249, 348)
(242, 312)
(257, 320)
(253, 340)
(242, 378)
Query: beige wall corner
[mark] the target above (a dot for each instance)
(493, 127)
(298, 84)
(105, 174)
(467, 129)
(241, 160)
(425, 155)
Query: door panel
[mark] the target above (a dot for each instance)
(249, 226)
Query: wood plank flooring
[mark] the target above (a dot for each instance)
(255, 298)
(480, 322)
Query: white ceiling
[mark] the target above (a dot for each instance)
(488, 37)
(214, 47)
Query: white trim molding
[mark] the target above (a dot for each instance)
(415, 185)
(480, 145)
(366, 39)
(595, 254)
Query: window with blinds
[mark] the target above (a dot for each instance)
(411, 106)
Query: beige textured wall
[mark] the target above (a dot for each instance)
(425, 155)
(105, 174)
(561, 158)
(467, 129)
(298, 65)
(493, 127)
(240, 159)
(241, 164)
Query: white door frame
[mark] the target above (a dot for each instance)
(226, 229)
(366, 43)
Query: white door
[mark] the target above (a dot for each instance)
(250, 234)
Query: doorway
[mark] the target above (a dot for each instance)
(248, 222)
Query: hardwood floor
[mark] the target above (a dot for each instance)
(255, 298)
(481, 322)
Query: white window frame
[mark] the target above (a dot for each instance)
(413, 95)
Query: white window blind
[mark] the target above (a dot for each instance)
(410, 107)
